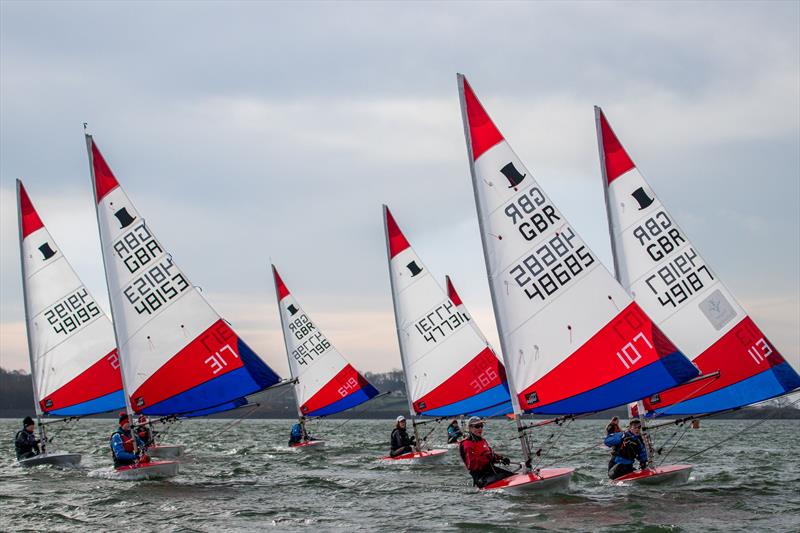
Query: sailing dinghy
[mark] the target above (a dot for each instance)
(450, 369)
(74, 362)
(178, 356)
(325, 382)
(573, 340)
(655, 262)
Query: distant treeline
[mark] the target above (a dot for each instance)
(16, 401)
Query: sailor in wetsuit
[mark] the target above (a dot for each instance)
(25, 442)
(121, 442)
(454, 433)
(298, 433)
(627, 447)
(479, 458)
(401, 443)
(613, 426)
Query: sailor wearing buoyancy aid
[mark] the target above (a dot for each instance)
(479, 458)
(122, 444)
(627, 447)
(298, 433)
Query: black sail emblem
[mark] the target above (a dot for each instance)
(641, 196)
(125, 218)
(292, 309)
(414, 268)
(47, 252)
(512, 175)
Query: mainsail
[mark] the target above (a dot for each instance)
(326, 382)
(449, 367)
(661, 268)
(74, 362)
(572, 339)
(178, 355)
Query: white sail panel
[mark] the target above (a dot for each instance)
(573, 340)
(449, 367)
(672, 282)
(75, 366)
(326, 382)
(178, 355)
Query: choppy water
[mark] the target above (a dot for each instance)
(246, 479)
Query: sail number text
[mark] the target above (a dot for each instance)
(439, 323)
(314, 342)
(531, 214)
(551, 266)
(155, 287)
(71, 312)
(137, 248)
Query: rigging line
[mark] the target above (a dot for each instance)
(689, 395)
(238, 420)
(664, 457)
(358, 409)
(561, 432)
(425, 438)
(579, 452)
(733, 435)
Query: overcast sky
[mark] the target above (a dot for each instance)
(256, 132)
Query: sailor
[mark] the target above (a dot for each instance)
(613, 426)
(26, 443)
(479, 458)
(401, 443)
(122, 445)
(454, 433)
(146, 434)
(627, 447)
(299, 433)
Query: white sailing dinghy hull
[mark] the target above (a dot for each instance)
(54, 459)
(662, 475)
(545, 480)
(166, 451)
(427, 457)
(312, 445)
(151, 470)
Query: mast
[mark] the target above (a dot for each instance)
(128, 407)
(597, 113)
(397, 329)
(526, 452)
(286, 344)
(37, 407)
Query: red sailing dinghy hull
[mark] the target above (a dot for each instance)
(662, 475)
(151, 470)
(427, 457)
(309, 445)
(546, 480)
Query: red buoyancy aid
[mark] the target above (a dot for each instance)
(476, 454)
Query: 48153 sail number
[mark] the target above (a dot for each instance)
(155, 287)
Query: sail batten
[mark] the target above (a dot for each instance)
(573, 340)
(177, 354)
(662, 269)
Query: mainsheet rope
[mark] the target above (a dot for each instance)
(737, 433)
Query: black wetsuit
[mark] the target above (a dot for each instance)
(401, 442)
(26, 444)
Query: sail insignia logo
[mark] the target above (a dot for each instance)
(47, 251)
